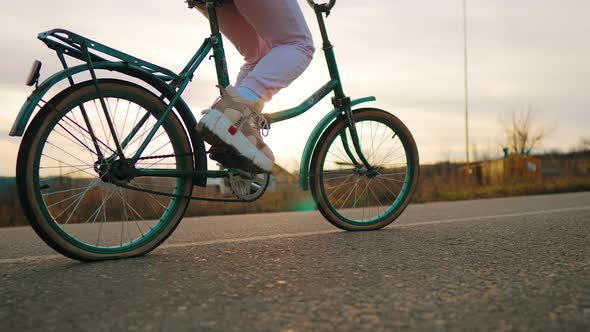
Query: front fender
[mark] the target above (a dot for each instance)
(184, 111)
(315, 136)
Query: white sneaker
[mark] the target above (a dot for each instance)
(237, 122)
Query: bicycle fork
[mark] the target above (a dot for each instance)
(351, 124)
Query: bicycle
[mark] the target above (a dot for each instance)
(107, 167)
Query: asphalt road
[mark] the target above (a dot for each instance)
(501, 264)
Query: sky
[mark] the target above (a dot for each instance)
(407, 53)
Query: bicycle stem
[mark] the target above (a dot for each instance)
(217, 43)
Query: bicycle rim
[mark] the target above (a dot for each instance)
(349, 194)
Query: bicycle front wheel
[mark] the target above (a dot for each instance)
(75, 189)
(350, 195)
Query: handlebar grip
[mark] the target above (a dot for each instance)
(324, 7)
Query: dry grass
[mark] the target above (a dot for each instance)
(449, 187)
(444, 189)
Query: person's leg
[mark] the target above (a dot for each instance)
(232, 120)
(281, 24)
(235, 119)
(242, 35)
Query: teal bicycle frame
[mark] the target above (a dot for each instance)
(172, 86)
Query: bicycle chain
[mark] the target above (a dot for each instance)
(197, 198)
(165, 156)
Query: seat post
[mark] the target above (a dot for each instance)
(212, 14)
(217, 43)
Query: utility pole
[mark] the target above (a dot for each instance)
(466, 86)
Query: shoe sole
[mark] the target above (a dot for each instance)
(215, 129)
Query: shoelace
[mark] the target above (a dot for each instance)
(263, 125)
(260, 121)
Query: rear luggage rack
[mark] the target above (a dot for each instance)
(82, 48)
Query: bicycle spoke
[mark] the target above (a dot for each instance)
(63, 191)
(355, 192)
(152, 196)
(374, 153)
(376, 198)
(140, 138)
(77, 168)
(98, 113)
(336, 177)
(386, 177)
(66, 199)
(96, 213)
(76, 139)
(346, 199)
(343, 154)
(104, 214)
(79, 200)
(345, 180)
(142, 123)
(72, 166)
(384, 186)
(114, 117)
(387, 157)
(83, 136)
(134, 211)
(125, 121)
(64, 175)
(86, 131)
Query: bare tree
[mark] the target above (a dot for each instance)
(585, 144)
(522, 133)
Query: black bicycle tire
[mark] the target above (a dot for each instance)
(25, 167)
(324, 142)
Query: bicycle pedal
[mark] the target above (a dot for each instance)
(223, 155)
(228, 157)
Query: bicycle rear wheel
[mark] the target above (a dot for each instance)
(76, 201)
(349, 195)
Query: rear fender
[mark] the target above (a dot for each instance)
(198, 146)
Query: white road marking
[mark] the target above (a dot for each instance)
(303, 234)
(498, 216)
(27, 259)
(248, 239)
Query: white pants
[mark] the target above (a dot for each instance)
(273, 38)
